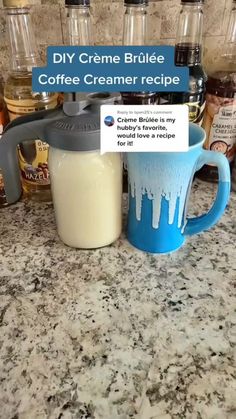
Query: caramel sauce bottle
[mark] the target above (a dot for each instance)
(220, 116)
(20, 99)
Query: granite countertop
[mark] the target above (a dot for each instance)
(116, 333)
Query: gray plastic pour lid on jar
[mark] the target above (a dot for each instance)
(80, 132)
(76, 128)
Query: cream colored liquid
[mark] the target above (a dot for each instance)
(87, 194)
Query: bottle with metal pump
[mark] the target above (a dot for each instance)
(86, 186)
(188, 52)
(78, 22)
(135, 32)
(21, 100)
(220, 116)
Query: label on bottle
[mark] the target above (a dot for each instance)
(220, 125)
(21, 107)
(33, 155)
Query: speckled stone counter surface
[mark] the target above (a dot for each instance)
(116, 333)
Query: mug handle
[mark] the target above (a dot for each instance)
(198, 224)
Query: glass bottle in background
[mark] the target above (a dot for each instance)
(188, 52)
(220, 116)
(79, 26)
(78, 30)
(21, 100)
(135, 32)
(3, 122)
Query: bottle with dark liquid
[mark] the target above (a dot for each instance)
(188, 52)
(220, 116)
(135, 33)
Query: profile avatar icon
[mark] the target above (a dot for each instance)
(109, 121)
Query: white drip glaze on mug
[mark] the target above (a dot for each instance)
(159, 178)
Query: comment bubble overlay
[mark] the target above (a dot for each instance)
(144, 128)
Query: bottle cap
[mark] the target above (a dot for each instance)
(16, 3)
(192, 1)
(77, 2)
(135, 2)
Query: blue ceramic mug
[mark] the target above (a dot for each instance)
(159, 188)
